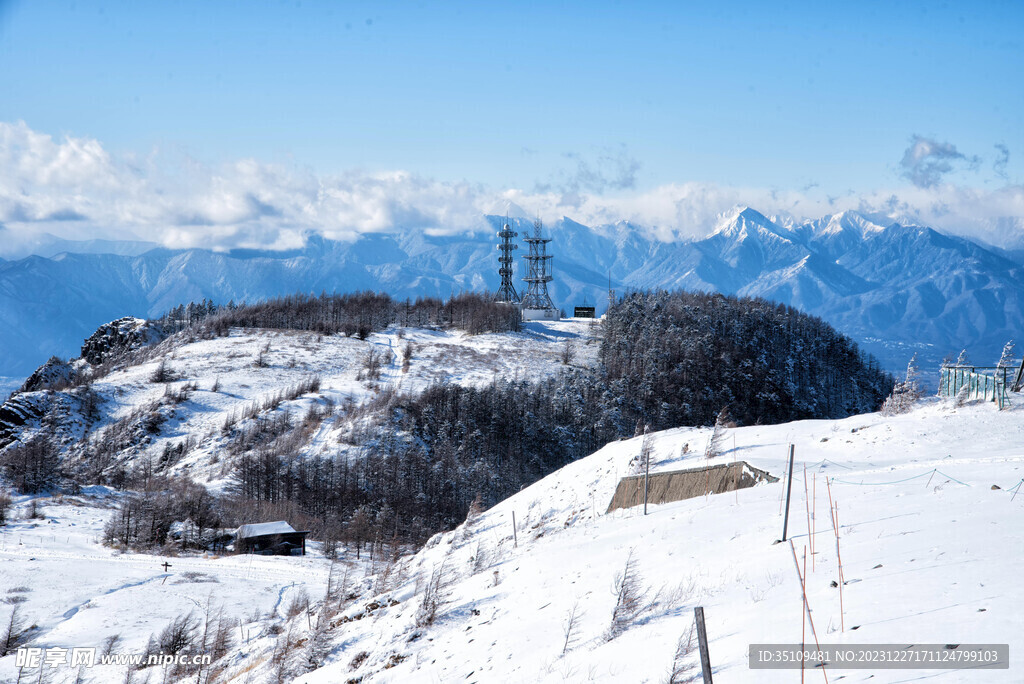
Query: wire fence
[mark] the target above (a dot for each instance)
(988, 383)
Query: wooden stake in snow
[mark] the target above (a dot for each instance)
(803, 619)
(807, 608)
(828, 484)
(814, 522)
(647, 475)
(833, 510)
(807, 507)
(839, 559)
(515, 537)
(702, 644)
(789, 490)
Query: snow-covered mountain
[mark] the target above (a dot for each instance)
(896, 288)
(892, 287)
(15, 245)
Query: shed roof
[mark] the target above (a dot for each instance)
(264, 529)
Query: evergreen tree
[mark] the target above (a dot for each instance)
(1008, 358)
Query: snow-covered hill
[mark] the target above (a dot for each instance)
(211, 385)
(895, 287)
(926, 503)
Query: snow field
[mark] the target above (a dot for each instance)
(79, 592)
(924, 561)
(929, 548)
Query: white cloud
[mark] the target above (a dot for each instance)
(75, 188)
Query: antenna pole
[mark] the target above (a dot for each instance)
(538, 274)
(507, 291)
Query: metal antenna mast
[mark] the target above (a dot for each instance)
(507, 291)
(538, 272)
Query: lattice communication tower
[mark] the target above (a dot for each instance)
(507, 291)
(538, 271)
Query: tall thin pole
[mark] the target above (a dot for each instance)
(839, 559)
(702, 644)
(647, 474)
(789, 490)
(803, 621)
(807, 608)
(814, 523)
(807, 505)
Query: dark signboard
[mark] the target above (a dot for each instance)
(583, 312)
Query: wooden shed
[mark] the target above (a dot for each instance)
(271, 539)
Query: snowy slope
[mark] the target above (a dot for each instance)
(928, 551)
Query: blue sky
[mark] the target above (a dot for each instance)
(596, 98)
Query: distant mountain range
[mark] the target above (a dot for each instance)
(896, 289)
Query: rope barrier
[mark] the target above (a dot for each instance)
(840, 465)
(934, 471)
(869, 484)
(939, 472)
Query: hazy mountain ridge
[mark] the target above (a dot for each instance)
(898, 283)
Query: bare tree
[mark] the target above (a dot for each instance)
(5, 505)
(14, 632)
(571, 626)
(716, 446)
(109, 644)
(435, 594)
(631, 598)
(684, 670)
(32, 467)
(178, 635)
(162, 372)
(407, 352)
(318, 645)
(568, 352)
(299, 604)
(372, 362)
(283, 658)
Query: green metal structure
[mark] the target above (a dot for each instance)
(988, 383)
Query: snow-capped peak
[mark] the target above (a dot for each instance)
(507, 207)
(846, 221)
(742, 222)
